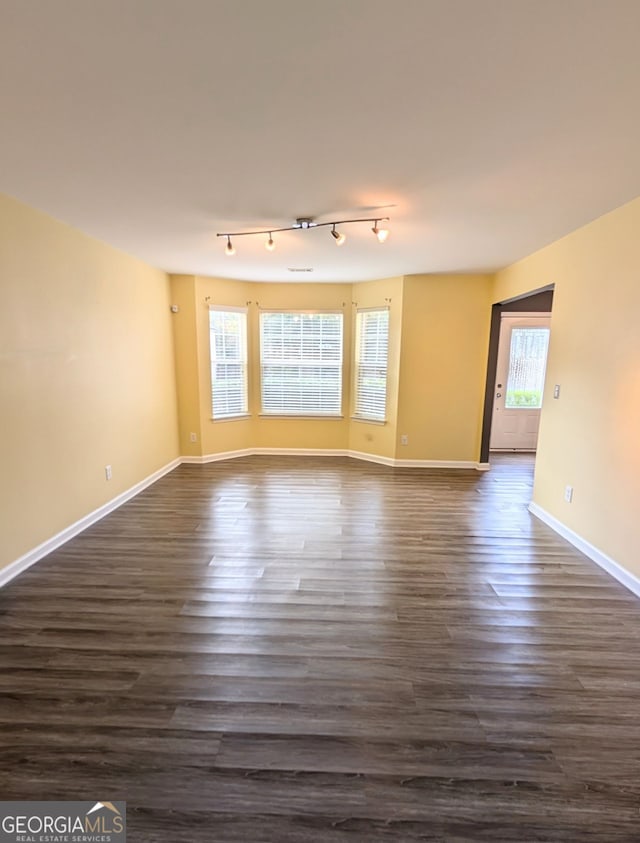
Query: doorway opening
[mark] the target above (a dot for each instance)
(518, 344)
(522, 364)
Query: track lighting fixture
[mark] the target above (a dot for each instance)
(380, 229)
(340, 238)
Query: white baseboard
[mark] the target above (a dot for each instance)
(224, 455)
(338, 452)
(435, 464)
(626, 578)
(362, 455)
(28, 559)
(301, 452)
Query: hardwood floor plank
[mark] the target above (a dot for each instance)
(294, 649)
(445, 719)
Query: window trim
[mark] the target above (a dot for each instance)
(245, 413)
(338, 365)
(357, 347)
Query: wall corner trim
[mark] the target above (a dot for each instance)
(617, 571)
(32, 556)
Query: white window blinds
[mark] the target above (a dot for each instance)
(301, 363)
(228, 342)
(372, 346)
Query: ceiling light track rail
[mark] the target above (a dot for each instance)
(380, 229)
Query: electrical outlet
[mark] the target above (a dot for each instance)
(568, 493)
(194, 437)
(107, 472)
(556, 391)
(404, 439)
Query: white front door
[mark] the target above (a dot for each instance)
(522, 363)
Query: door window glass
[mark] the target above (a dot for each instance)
(527, 364)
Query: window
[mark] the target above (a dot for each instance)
(301, 363)
(228, 341)
(372, 345)
(527, 366)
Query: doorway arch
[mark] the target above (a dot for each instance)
(540, 300)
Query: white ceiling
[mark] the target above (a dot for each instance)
(485, 128)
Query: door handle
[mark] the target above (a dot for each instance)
(498, 395)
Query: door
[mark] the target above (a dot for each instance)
(522, 363)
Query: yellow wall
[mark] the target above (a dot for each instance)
(86, 376)
(438, 335)
(187, 363)
(589, 438)
(445, 335)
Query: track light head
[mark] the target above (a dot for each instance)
(381, 231)
(229, 250)
(340, 238)
(270, 245)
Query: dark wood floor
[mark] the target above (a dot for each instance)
(286, 649)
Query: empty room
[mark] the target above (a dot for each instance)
(319, 400)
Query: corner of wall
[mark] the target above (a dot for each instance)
(187, 362)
